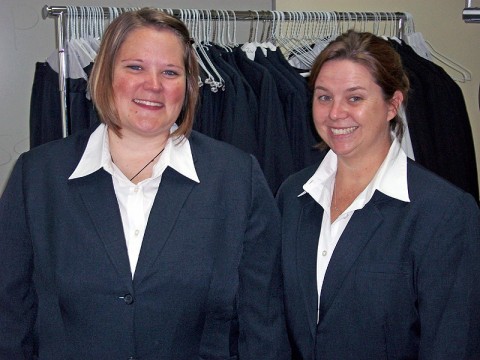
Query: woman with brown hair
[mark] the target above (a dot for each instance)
(380, 257)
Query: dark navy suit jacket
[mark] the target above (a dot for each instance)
(402, 283)
(207, 284)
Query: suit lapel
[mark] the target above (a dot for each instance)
(98, 195)
(169, 201)
(356, 235)
(307, 244)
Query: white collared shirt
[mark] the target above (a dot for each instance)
(135, 200)
(390, 179)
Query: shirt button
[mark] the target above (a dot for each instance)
(324, 252)
(128, 299)
(135, 190)
(137, 232)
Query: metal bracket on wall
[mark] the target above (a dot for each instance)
(471, 14)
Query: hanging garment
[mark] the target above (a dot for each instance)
(438, 121)
(271, 128)
(45, 108)
(238, 128)
(295, 100)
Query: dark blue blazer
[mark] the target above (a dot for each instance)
(402, 283)
(207, 284)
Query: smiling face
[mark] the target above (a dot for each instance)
(350, 112)
(149, 82)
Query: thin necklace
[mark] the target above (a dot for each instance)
(335, 199)
(143, 168)
(138, 173)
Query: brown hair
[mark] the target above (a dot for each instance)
(378, 56)
(101, 79)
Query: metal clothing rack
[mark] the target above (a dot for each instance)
(61, 14)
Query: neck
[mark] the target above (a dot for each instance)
(135, 159)
(350, 181)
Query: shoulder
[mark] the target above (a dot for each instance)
(216, 151)
(224, 169)
(429, 190)
(293, 185)
(59, 155)
(288, 199)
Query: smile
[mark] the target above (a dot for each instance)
(146, 102)
(345, 131)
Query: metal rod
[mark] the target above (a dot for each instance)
(62, 67)
(242, 15)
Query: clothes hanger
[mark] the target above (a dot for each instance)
(190, 18)
(204, 24)
(77, 57)
(87, 31)
(250, 47)
(97, 29)
(265, 42)
(425, 49)
(233, 39)
(465, 74)
(221, 30)
(298, 51)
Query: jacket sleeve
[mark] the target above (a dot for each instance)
(17, 295)
(260, 296)
(448, 285)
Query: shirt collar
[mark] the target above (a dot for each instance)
(177, 154)
(390, 179)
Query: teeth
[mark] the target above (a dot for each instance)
(146, 102)
(343, 131)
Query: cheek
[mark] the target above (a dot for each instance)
(319, 115)
(120, 86)
(177, 94)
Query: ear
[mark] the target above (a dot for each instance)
(395, 103)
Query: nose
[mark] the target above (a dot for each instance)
(153, 81)
(337, 110)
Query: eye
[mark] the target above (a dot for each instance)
(355, 99)
(171, 73)
(134, 67)
(324, 98)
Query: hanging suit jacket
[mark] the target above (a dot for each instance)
(403, 281)
(207, 284)
(438, 122)
(271, 127)
(294, 104)
(45, 107)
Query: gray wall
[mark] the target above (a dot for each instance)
(27, 38)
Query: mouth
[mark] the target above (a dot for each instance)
(344, 131)
(147, 102)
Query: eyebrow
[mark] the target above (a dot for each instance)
(354, 88)
(141, 61)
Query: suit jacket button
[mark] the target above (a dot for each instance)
(128, 300)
